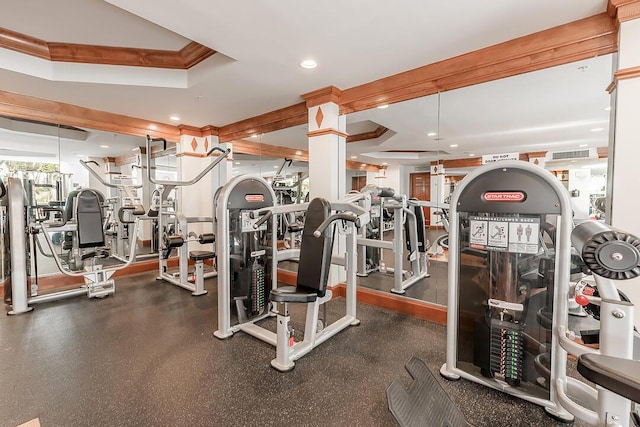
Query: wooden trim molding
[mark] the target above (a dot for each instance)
(627, 73)
(322, 96)
(411, 307)
(209, 130)
(327, 131)
(377, 133)
(567, 43)
(28, 107)
(283, 118)
(358, 166)
(260, 149)
(267, 150)
(192, 54)
(628, 11)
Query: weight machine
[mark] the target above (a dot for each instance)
(88, 239)
(408, 216)
(245, 221)
(123, 209)
(179, 236)
(505, 279)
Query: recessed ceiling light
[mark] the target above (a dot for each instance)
(276, 167)
(254, 136)
(174, 118)
(236, 163)
(298, 153)
(597, 129)
(574, 161)
(453, 145)
(607, 108)
(363, 164)
(383, 106)
(104, 146)
(471, 155)
(308, 63)
(583, 145)
(431, 134)
(354, 157)
(153, 127)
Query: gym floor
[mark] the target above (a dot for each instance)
(147, 356)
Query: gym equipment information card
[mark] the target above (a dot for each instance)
(506, 234)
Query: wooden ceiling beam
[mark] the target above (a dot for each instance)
(274, 151)
(570, 42)
(283, 118)
(27, 107)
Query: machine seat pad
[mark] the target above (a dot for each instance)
(201, 255)
(294, 228)
(621, 376)
(292, 294)
(98, 253)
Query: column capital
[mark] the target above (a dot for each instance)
(322, 96)
(624, 10)
(208, 130)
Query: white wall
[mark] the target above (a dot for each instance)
(580, 180)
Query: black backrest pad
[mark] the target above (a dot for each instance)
(89, 219)
(422, 240)
(315, 252)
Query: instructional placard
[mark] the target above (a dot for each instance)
(506, 234)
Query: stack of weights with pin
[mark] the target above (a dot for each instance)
(507, 350)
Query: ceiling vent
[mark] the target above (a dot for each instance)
(588, 153)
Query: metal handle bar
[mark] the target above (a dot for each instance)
(265, 216)
(102, 181)
(224, 154)
(343, 216)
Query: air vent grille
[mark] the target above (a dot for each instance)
(564, 155)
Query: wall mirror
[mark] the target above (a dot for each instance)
(557, 118)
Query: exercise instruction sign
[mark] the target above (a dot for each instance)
(506, 234)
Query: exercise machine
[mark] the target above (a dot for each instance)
(173, 232)
(245, 224)
(611, 255)
(88, 238)
(408, 216)
(122, 212)
(505, 279)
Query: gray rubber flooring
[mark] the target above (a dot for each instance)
(146, 356)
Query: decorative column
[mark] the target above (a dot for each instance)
(327, 144)
(327, 156)
(624, 142)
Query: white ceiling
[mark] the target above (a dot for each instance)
(261, 43)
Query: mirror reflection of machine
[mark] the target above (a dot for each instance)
(503, 272)
(409, 237)
(88, 247)
(123, 210)
(173, 229)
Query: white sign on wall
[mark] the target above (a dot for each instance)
(491, 158)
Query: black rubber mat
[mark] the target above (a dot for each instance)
(425, 403)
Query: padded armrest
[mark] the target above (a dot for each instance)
(292, 294)
(621, 376)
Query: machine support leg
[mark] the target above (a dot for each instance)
(284, 342)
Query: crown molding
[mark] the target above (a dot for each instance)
(192, 54)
